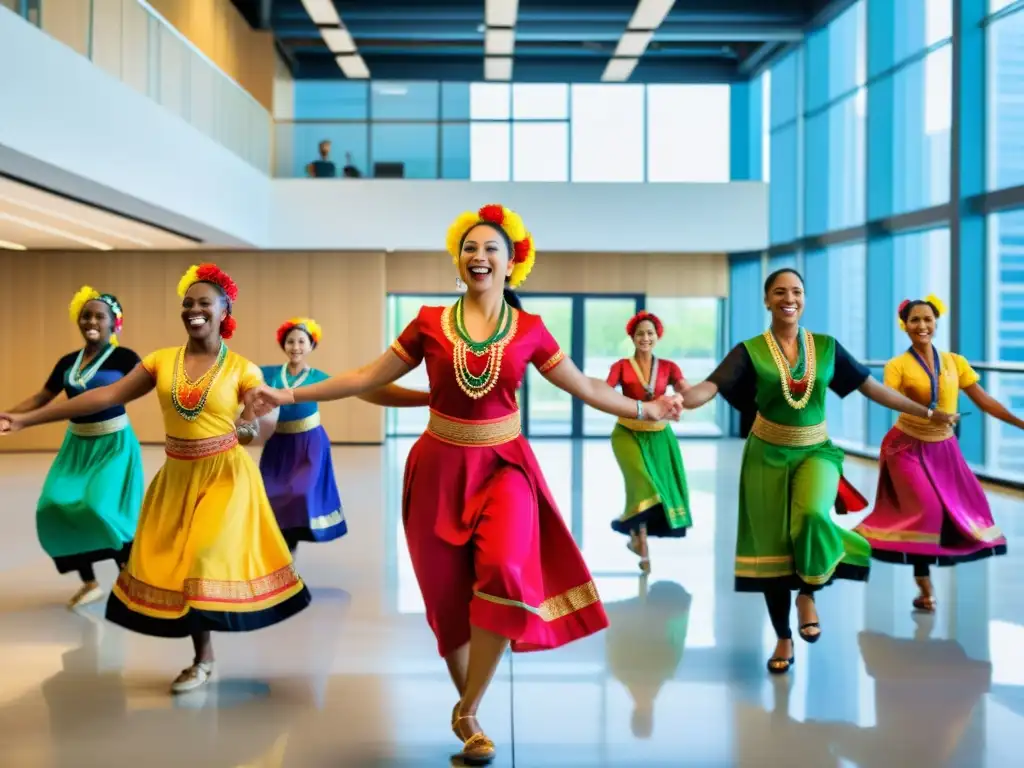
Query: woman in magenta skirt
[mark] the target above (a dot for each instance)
(930, 509)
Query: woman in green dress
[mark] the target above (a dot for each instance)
(791, 475)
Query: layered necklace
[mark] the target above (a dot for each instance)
(189, 397)
(453, 322)
(934, 373)
(298, 382)
(651, 381)
(797, 381)
(80, 377)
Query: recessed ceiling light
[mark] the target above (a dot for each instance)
(633, 44)
(499, 42)
(498, 68)
(354, 67)
(8, 245)
(619, 70)
(501, 13)
(322, 11)
(338, 39)
(57, 232)
(650, 13)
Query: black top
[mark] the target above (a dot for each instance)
(736, 380)
(120, 363)
(324, 169)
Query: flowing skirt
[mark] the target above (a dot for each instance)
(299, 477)
(489, 548)
(786, 534)
(656, 491)
(930, 509)
(208, 554)
(89, 506)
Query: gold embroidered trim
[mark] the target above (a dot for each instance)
(992, 533)
(190, 450)
(329, 520)
(554, 608)
(298, 426)
(552, 361)
(397, 348)
(923, 430)
(474, 433)
(99, 428)
(206, 590)
(639, 425)
(913, 537)
(787, 436)
(779, 565)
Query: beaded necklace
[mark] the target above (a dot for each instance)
(934, 373)
(453, 323)
(189, 397)
(793, 379)
(79, 377)
(298, 382)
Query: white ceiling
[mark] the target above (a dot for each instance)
(32, 219)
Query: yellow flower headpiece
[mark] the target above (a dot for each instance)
(523, 253)
(308, 324)
(86, 294)
(931, 298)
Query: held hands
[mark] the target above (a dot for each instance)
(264, 399)
(665, 408)
(941, 417)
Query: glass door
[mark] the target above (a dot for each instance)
(604, 342)
(549, 409)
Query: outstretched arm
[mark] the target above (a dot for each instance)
(991, 406)
(38, 400)
(597, 394)
(384, 370)
(873, 390)
(131, 387)
(394, 396)
(699, 394)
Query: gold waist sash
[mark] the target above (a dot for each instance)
(99, 428)
(639, 425)
(474, 433)
(298, 426)
(190, 450)
(787, 436)
(923, 430)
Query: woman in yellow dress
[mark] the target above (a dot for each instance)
(208, 554)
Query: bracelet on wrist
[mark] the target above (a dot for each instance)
(639, 410)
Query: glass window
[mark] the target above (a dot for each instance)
(919, 24)
(834, 171)
(454, 101)
(490, 151)
(455, 162)
(688, 133)
(921, 266)
(396, 100)
(784, 191)
(922, 122)
(540, 151)
(414, 145)
(490, 101)
(1006, 101)
(785, 101)
(331, 100)
(347, 140)
(549, 101)
(607, 133)
(766, 120)
(847, 55)
(994, 6)
(604, 342)
(550, 408)
(847, 321)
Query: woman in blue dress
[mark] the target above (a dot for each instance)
(90, 502)
(296, 463)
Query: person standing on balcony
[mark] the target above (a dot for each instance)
(323, 168)
(791, 475)
(930, 509)
(495, 562)
(657, 498)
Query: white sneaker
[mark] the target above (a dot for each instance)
(194, 677)
(89, 593)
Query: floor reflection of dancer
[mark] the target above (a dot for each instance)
(645, 643)
(90, 501)
(296, 461)
(930, 509)
(492, 555)
(208, 554)
(792, 473)
(657, 499)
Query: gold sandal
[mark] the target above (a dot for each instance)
(477, 749)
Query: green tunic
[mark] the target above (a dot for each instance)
(786, 535)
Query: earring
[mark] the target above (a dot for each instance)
(459, 285)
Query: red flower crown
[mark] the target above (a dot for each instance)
(639, 317)
(211, 273)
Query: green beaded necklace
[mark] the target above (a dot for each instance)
(476, 386)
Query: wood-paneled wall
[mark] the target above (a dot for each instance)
(345, 292)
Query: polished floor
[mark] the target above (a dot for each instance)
(678, 680)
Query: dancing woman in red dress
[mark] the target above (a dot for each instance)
(492, 555)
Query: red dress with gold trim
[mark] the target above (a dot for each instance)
(486, 540)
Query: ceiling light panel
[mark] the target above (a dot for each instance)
(338, 39)
(322, 12)
(51, 212)
(499, 42)
(39, 227)
(650, 13)
(498, 68)
(633, 44)
(501, 13)
(354, 67)
(9, 246)
(619, 70)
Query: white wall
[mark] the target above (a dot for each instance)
(69, 126)
(414, 215)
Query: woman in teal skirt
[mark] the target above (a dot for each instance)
(90, 502)
(657, 500)
(791, 476)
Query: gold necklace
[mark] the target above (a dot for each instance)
(474, 386)
(785, 377)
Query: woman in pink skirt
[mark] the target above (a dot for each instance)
(930, 509)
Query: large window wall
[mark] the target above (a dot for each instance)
(895, 143)
(514, 132)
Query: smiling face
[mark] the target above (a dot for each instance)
(202, 311)
(921, 324)
(485, 260)
(645, 336)
(785, 299)
(297, 345)
(96, 322)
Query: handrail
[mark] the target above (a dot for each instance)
(986, 367)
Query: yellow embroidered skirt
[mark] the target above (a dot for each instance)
(208, 554)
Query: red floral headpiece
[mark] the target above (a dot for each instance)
(211, 273)
(639, 317)
(307, 324)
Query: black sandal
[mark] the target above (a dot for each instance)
(777, 665)
(808, 637)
